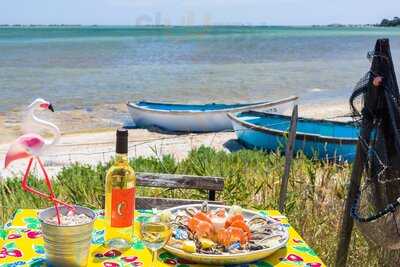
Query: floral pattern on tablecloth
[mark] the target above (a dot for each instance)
(21, 244)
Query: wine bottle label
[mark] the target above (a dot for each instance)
(122, 207)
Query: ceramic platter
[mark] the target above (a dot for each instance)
(224, 259)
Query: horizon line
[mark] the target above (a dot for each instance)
(179, 25)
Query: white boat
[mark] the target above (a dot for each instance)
(198, 118)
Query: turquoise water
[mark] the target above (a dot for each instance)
(77, 67)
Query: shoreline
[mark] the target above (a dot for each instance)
(98, 118)
(331, 25)
(106, 117)
(94, 144)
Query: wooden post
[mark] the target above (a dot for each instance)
(288, 157)
(211, 195)
(371, 97)
(347, 221)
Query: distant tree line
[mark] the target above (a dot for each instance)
(390, 23)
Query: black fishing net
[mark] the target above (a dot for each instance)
(375, 106)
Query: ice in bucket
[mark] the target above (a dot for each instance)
(68, 244)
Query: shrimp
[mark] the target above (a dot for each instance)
(227, 237)
(204, 229)
(230, 220)
(216, 227)
(242, 225)
(200, 225)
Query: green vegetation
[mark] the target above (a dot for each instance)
(315, 201)
(390, 23)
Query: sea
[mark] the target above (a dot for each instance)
(81, 67)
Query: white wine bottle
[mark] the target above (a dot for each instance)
(120, 197)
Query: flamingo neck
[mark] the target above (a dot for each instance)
(46, 125)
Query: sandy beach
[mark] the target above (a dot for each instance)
(99, 146)
(88, 136)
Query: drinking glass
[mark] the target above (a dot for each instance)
(155, 234)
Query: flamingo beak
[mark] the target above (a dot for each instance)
(48, 106)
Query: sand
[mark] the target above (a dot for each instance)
(89, 136)
(94, 147)
(97, 118)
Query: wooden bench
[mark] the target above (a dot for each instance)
(175, 181)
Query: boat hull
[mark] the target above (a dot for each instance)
(198, 120)
(314, 145)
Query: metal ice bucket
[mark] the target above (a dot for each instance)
(67, 246)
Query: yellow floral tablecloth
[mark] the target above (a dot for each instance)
(21, 244)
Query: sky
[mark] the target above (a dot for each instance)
(196, 12)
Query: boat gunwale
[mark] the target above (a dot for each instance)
(301, 136)
(226, 110)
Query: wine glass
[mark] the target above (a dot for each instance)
(155, 234)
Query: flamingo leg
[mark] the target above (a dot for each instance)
(25, 178)
(50, 197)
(29, 189)
(49, 186)
(34, 191)
(48, 183)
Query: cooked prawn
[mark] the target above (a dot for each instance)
(230, 220)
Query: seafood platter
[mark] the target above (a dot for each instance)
(218, 235)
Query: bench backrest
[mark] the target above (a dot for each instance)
(175, 181)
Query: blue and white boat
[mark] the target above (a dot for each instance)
(197, 118)
(323, 139)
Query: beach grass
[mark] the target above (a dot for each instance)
(316, 193)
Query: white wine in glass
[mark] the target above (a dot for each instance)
(155, 235)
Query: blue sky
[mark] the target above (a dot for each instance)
(188, 12)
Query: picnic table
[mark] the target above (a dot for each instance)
(21, 244)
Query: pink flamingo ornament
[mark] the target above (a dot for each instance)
(30, 146)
